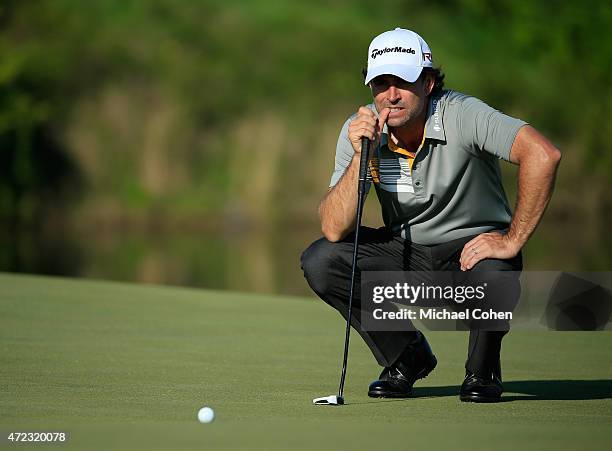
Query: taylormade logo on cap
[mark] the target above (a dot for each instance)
(398, 52)
(377, 52)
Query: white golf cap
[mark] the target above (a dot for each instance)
(398, 52)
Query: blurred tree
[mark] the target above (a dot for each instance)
(160, 110)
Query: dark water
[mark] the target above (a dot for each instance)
(264, 261)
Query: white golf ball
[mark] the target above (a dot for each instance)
(206, 415)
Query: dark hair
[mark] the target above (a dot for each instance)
(439, 78)
(435, 71)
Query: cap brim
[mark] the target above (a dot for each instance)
(408, 73)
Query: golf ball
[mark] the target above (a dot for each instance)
(206, 415)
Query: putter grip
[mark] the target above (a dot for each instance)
(363, 163)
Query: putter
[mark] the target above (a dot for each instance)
(333, 400)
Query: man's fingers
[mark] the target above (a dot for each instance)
(471, 242)
(468, 249)
(486, 245)
(367, 112)
(382, 119)
(362, 122)
(367, 125)
(474, 242)
(475, 258)
(367, 118)
(472, 258)
(474, 251)
(366, 132)
(364, 125)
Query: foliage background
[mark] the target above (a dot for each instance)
(189, 142)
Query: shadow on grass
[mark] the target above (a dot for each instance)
(528, 391)
(558, 390)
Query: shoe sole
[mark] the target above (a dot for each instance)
(420, 375)
(478, 398)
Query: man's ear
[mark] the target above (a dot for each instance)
(430, 81)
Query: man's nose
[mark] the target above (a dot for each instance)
(393, 94)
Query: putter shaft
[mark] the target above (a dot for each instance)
(363, 172)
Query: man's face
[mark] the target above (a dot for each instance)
(406, 100)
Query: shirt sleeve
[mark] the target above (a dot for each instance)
(344, 154)
(483, 128)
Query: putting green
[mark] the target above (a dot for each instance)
(122, 366)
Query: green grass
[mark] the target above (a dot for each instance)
(123, 366)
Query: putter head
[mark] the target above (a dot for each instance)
(331, 400)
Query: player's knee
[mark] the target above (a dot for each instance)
(502, 279)
(492, 264)
(316, 264)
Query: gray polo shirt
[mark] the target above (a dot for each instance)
(454, 188)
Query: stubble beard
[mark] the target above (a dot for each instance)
(408, 117)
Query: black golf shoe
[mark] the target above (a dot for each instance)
(481, 389)
(396, 381)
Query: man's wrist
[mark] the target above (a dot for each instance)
(513, 242)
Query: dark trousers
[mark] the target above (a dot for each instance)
(327, 269)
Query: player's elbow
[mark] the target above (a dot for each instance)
(554, 156)
(549, 157)
(331, 233)
(331, 224)
(544, 156)
(534, 149)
